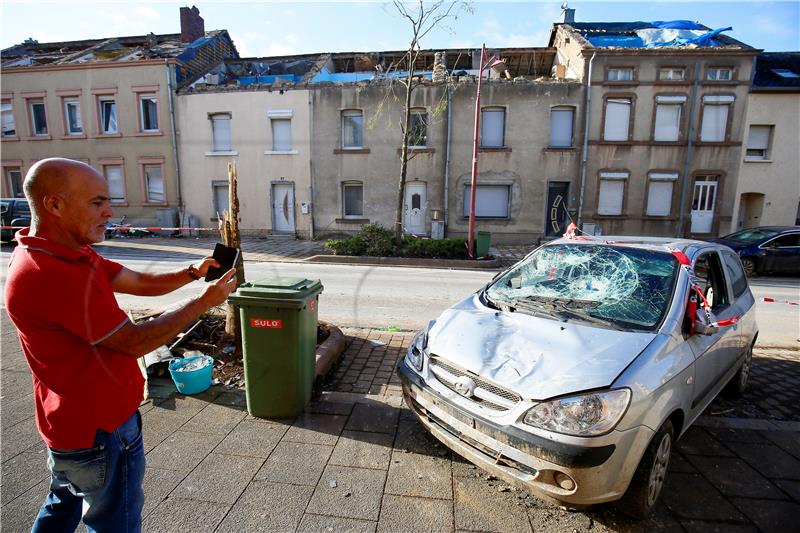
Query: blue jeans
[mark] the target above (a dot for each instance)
(105, 480)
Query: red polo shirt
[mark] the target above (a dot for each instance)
(63, 306)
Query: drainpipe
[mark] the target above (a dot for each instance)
(447, 158)
(312, 206)
(585, 151)
(174, 144)
(689, 147)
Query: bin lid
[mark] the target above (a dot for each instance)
(279, 288)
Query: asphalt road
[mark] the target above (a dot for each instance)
(378, 297)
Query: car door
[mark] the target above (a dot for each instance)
(715, 353)
(782, 254)
(741, 299)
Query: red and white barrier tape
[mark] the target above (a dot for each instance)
(129, 228)
(774, 301)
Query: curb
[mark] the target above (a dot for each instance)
(330, 351)
(418, 262)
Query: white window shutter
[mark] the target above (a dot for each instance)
(561, 127)
(116, 185)
(758, 139)
(221, 199)
(715, 123)
(491, 201)
(610, 200)
(8, 119)
(492, 126)
(668, 122)
(281, 135)
(221, 127)
(659, 198)
(618, 113)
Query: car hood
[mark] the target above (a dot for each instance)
(538, 358)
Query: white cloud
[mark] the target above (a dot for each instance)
(147, 12)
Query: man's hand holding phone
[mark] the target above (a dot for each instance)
(217, 291)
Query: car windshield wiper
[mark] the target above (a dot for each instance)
(561, 307)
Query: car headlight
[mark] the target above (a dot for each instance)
(418, 348)
(584, 415)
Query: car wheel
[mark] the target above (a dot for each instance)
(738, 383)
(750, 267)
(648, 480)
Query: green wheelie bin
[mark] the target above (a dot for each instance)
(279, 338)
(483, 240)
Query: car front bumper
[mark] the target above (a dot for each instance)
(586, 472)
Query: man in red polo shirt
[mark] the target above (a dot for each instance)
(82, 348)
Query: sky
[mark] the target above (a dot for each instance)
(261, 29)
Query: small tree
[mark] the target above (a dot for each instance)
(422, 19)
(229, 232)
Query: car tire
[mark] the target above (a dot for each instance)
(648, 480)
(738, 383)
(750, 267)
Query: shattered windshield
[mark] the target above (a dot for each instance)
(611, 285)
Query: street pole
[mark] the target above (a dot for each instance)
(471, 238)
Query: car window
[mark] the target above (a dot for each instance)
(22, 208)
(784, 241)
(627, 286)
(733, 266)
(4, 206)
(710, 278)
(751, 235)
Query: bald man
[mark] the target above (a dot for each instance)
(82, 348)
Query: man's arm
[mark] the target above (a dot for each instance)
(138, 339)
(155, 284)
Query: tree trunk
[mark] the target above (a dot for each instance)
(401, 185)
(231, 237)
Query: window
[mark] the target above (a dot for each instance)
(9, 124)
(154, 184)
(711, 281)
(72, 116)
(612, 192)
(735, 273)
(221, 197)
(148, 112)
(671, 74)
(281, 134)
(791, 240)
(718, 74)
(352, 129)
(668, 118)
(116, 182)
(221, 132)
(108, 115)
(659, 193)
(14, 181)
(38, 117)
(418, 128)
(491, 201)
(620, 74)
(715, 118)
(785, 73)
(353, 200)
(758, 141)
(561, 124)
(493, 122)
(618, 118)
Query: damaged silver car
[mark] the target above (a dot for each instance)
(572, 373)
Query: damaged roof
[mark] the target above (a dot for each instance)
(650, 35)
(777, 71)
(107, 50)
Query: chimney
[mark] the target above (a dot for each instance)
(439, 67)
(568, 14)
(192, 26)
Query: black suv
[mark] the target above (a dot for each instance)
(14, 212)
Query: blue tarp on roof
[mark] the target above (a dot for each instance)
(672, 33)
(267, 78)
(624, 41)
(353, 77)
(677, 25)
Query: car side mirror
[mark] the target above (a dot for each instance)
(702, 325)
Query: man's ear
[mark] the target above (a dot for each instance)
(54, 205)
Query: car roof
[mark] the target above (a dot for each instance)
(770, 228)
(658, 244)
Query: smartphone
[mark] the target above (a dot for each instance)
(226, 257)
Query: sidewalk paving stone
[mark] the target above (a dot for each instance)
(362, 450)
(734, 477)
(696, 526)
(219, 478)
(349, 493)
(182, 451)
(771, 515)
(478, 506)
(376, 418)
(770, 460)
(404, 514)
(22, 472)
(295, 462)
(18, 438)
(184, 516)
(252, 439)
(702, 502)
(315, 428)
(412, 474)
(15, 411)
(158, 484)
(268, 507)
(314, 523)
(214, 418)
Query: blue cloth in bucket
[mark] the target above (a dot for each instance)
(192, 381)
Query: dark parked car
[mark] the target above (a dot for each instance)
(773, 249)
(13, 212)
